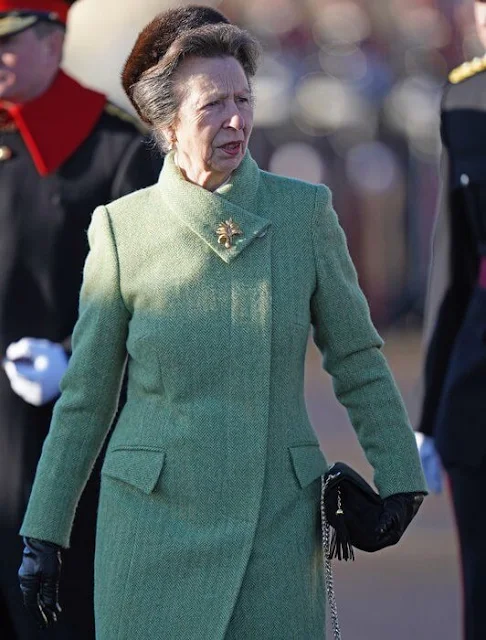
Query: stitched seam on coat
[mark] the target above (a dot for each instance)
(315, 223)
(117, 259)
(137, 447)
(129, 572)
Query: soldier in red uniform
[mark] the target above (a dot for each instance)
(63, 151)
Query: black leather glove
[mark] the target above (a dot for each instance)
(39, 580)
(399, 509)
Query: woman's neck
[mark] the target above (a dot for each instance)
(209, 180)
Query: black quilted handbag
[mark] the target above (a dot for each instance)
(353, 510)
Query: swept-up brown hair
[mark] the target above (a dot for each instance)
(156, 38)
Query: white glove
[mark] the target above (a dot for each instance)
(430, 462)
(34, 368)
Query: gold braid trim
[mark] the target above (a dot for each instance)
(467, 70)
(112, 110)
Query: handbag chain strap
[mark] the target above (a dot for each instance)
(326, 554)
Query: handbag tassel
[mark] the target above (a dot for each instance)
(340, 546)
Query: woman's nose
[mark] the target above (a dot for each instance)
(235, 120)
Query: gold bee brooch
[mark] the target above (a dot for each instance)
(226, 231)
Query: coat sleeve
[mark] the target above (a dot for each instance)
(90, 389)
(351, 347)
(452, 273)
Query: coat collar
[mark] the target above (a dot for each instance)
(54, 125)
(203, 211)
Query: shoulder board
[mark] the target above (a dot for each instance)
(112, 110)
(467, 70)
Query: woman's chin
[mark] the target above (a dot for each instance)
(228, 162)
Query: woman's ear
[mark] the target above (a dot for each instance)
(170, 137)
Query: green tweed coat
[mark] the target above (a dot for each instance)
(208, 520)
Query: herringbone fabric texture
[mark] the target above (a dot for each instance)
(208, 518)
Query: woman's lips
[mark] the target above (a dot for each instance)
(232, 148)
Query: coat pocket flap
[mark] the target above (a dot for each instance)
(309, 463)
(138, 466)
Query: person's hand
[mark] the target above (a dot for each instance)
(398, 511)
(34, 368)
(39, 580)
(430, 462)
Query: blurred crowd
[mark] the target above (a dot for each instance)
(348, 94)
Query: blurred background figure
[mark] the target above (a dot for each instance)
(453, 416)
(63, 150)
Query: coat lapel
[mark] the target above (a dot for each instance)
(202, 211)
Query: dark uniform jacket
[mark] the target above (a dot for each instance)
(454, 403)
(60, 157)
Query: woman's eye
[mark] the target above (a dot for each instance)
(213, 103)
(242, 99)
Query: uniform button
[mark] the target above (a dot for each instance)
(262, 234)
(464, 179)
(56, 199)
(5, 153)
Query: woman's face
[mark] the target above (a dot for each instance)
(214, 120)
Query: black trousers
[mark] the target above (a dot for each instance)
(468, 487)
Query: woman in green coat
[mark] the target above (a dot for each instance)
(206, 284)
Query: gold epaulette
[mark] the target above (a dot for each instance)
(467, 69)
(118, 112)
